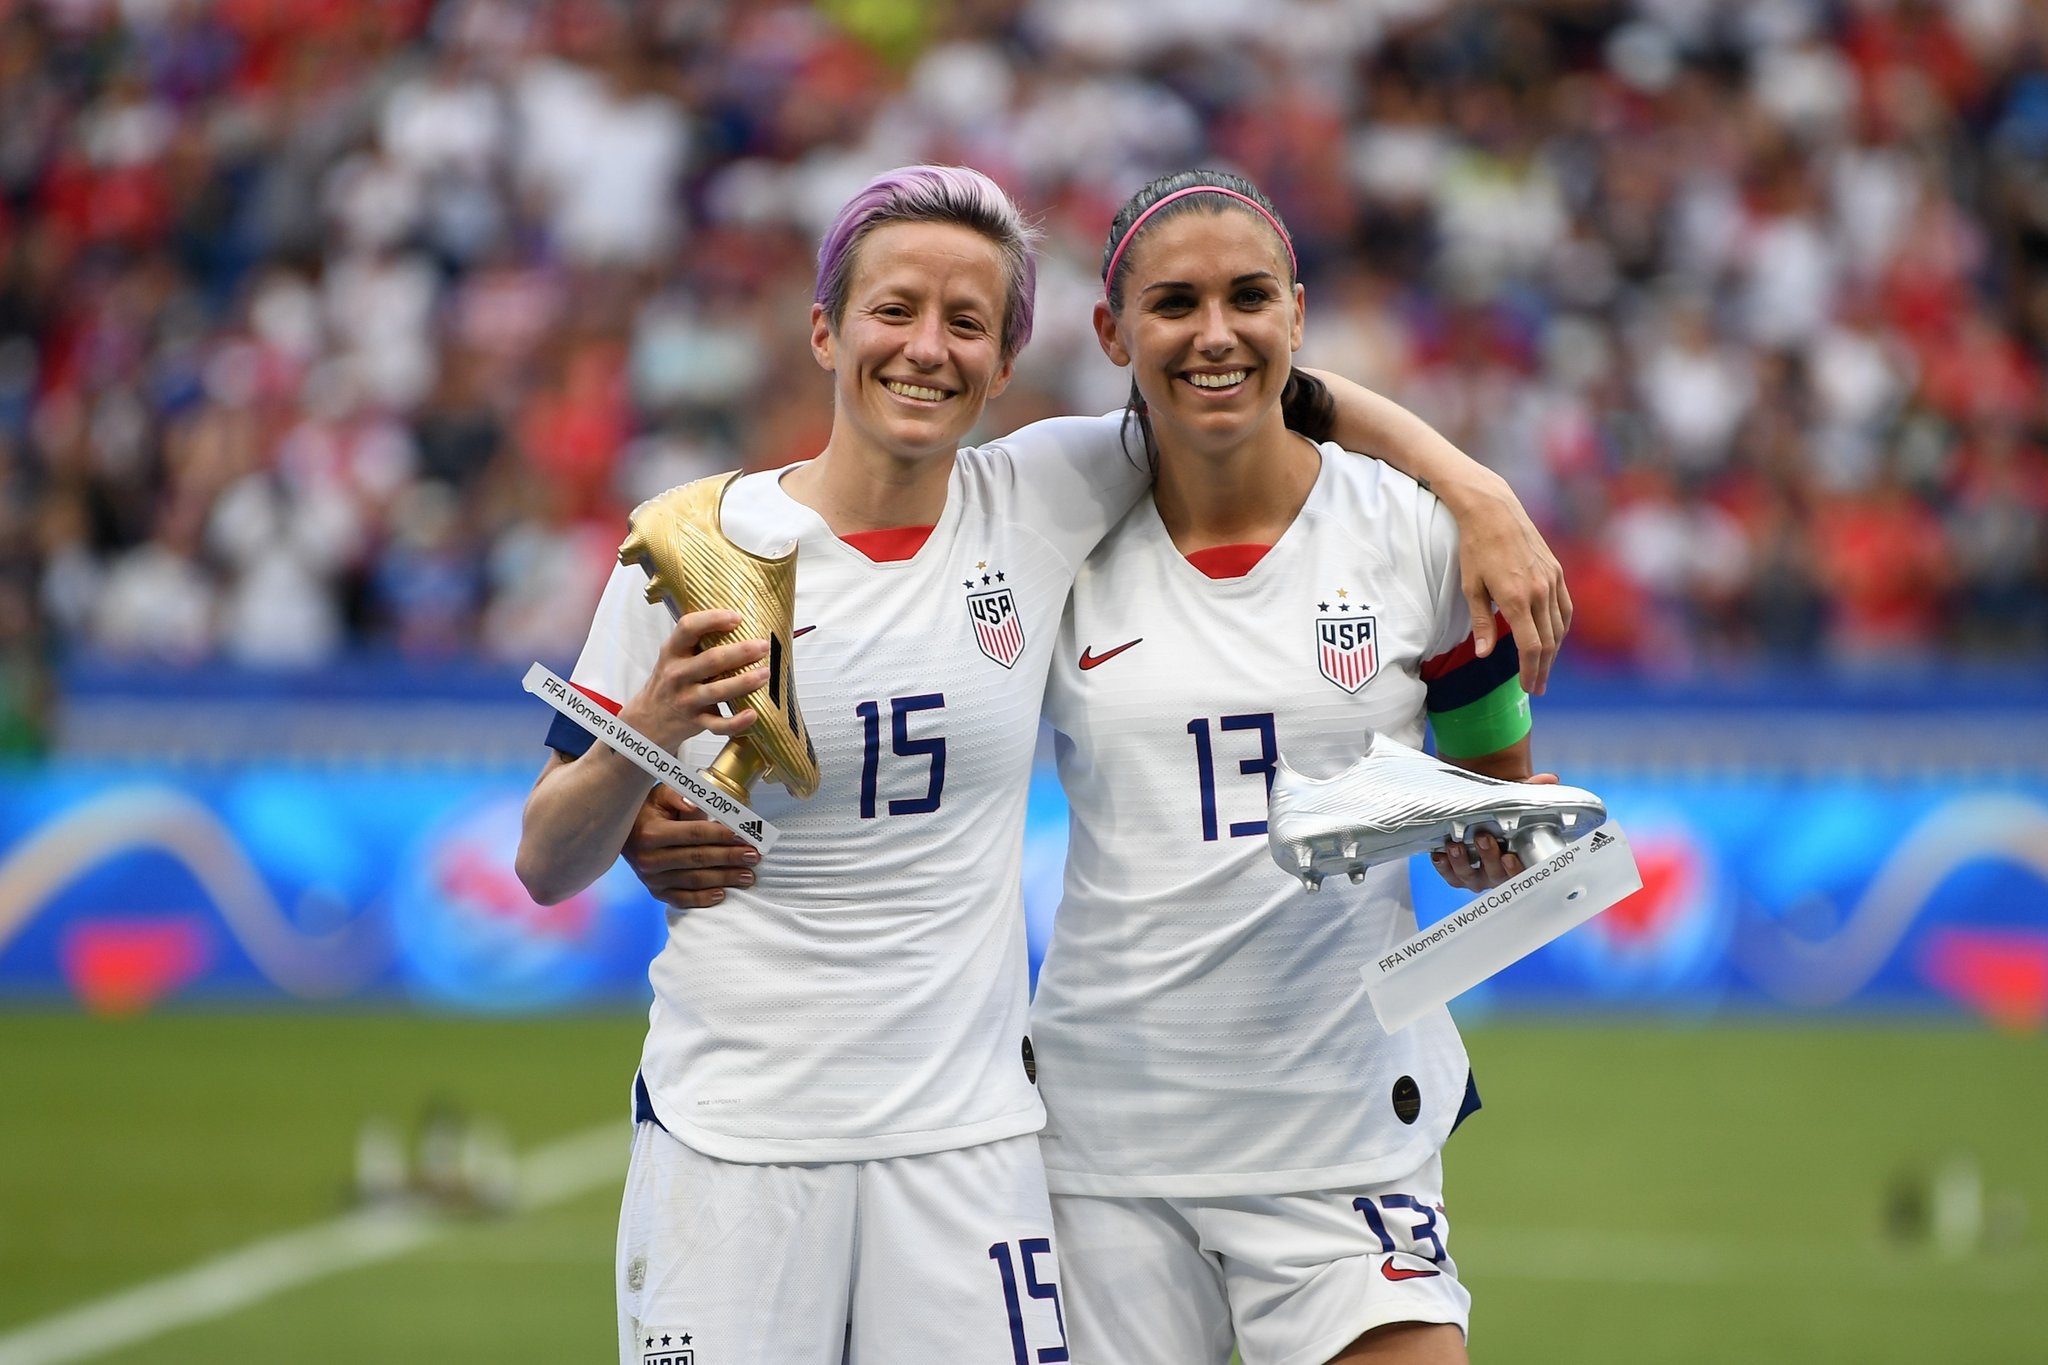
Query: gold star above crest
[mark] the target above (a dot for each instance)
(1342, 593)
(982, 565)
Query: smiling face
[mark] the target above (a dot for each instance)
(917, 351)
(1209, 326)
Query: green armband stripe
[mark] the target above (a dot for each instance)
(1493, 722)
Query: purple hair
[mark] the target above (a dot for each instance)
(935, 194)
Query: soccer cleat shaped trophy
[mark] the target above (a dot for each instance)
(691, 566)
(1396, 801)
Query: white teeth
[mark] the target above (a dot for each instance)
(1218, 381)
(914, 391)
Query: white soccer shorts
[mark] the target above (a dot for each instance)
(1291, 1279)
(942, 1259)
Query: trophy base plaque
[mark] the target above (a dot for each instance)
(1396, 801)
(1501, 927)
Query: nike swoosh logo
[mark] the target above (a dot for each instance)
(1398, 1273)
(801, 631)
(1090, 659)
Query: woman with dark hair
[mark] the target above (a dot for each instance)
(835, 1153)
(1238, 1153)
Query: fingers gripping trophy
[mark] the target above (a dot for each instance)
(692, 566)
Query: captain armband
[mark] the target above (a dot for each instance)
(1492, 723)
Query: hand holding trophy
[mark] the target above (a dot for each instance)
(692, 566)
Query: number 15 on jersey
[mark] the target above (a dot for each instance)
(930, 748)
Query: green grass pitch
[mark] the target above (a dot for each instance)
(1631, 1192)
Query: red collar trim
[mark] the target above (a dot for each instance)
(1228, 561)
(888, 546)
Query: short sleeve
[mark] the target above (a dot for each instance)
(626, 635)
(1451, 620)
(1069, 478)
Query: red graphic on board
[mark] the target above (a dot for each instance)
(2000, 973)
(124, 966)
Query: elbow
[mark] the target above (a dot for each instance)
(534, 875)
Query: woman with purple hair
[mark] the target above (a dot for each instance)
(836, 1153)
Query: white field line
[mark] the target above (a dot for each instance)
(1581, 1256)
(213, 1289)
(1566, 1256)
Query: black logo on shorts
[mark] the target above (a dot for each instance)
(1407, 1099)
(1030, 1061)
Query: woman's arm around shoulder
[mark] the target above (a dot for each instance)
(1070, 478)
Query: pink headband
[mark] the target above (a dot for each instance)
(1165, 199)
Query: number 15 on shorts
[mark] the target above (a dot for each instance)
(1026, 1255)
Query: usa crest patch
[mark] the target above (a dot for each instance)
(1347, 650)
(666, 1348)
(998, 629)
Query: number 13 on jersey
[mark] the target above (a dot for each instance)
(1260, 764)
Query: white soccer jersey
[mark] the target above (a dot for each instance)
(1201, 1023)
(866, 997)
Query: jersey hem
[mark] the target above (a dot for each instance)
(760, 1151)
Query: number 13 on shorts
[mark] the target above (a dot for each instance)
(1424, 1226)
(1035, 1284)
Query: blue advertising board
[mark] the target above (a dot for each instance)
(123, 888)
(120, 889)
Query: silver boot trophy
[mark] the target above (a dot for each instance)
(1395, 802)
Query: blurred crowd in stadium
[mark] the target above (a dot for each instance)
(336, 324)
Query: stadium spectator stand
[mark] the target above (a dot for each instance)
(331, 327)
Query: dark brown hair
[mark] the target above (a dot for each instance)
(1305, 403)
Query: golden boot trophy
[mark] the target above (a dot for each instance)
(679, 543)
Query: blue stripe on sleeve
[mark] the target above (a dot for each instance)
(1474, 678)
(568, 738)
